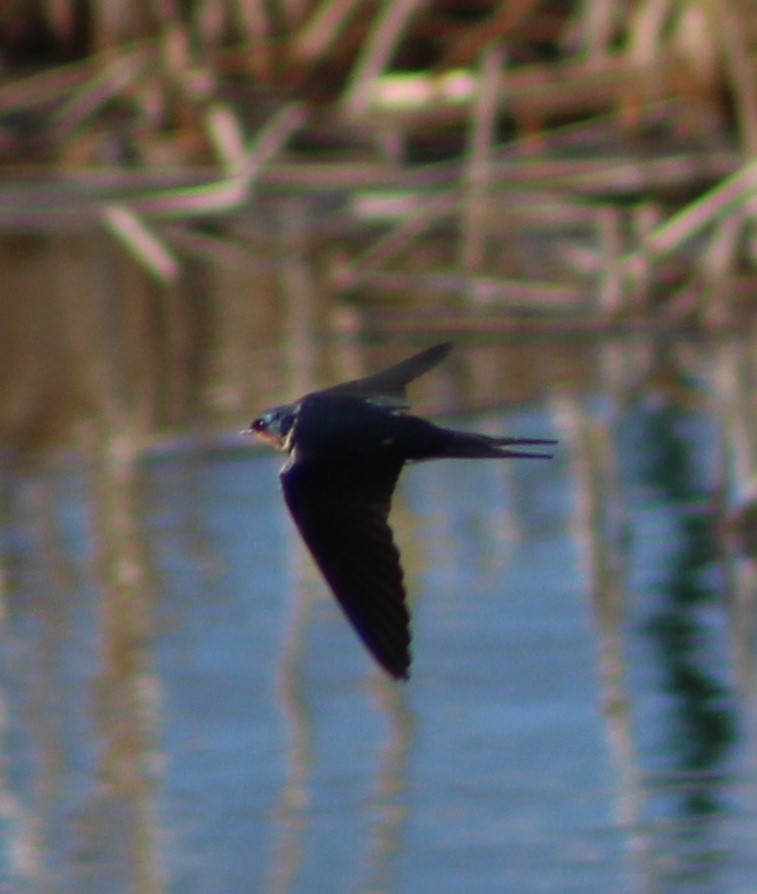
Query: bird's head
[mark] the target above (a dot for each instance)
(275, 427)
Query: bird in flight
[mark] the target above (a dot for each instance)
(347, 446)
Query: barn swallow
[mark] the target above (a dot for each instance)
(347, 446)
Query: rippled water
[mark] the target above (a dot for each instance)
(185, 710)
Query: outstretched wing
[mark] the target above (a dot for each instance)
(389, 387)
(343, 521)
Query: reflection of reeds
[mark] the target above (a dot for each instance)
(735, 378)
(126, 688)
(291, 813)
(600, 526)
(390, 788)
(33, 505)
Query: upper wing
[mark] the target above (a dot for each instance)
(389, 387)
(344, 524)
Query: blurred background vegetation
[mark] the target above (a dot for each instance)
(184, 185)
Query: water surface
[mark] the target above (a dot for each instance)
(185, 710)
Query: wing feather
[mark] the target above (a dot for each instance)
(389, 387)
(344, 522)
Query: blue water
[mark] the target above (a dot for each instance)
(204, 720)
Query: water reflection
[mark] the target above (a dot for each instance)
(183, 709)
(688, 738)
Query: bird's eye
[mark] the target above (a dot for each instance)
(258, 424)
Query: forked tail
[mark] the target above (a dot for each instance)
(468, 445)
